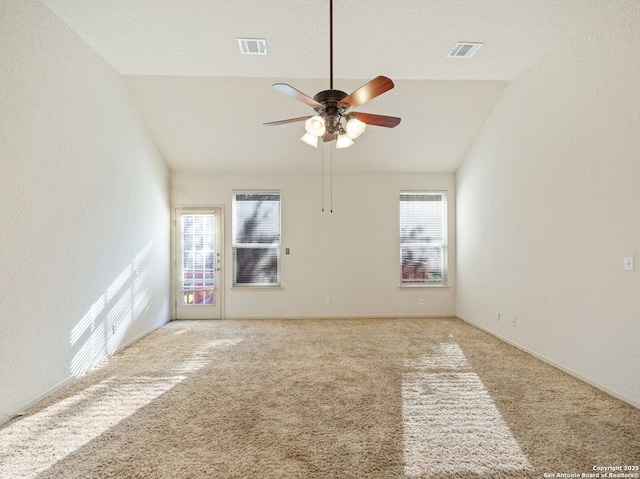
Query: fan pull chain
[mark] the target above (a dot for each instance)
(322, 160)
(331, 179)
(322, 176)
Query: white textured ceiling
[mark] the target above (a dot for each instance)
(205, 102)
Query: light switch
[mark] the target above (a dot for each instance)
(628, 264)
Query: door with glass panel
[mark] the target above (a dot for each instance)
(198, 263)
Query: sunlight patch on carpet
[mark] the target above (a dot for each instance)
(36, 442)
(450, 423)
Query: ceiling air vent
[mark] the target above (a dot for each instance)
(252, 46)
(464, 50)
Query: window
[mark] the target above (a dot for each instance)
(256, 238)
(423, 238)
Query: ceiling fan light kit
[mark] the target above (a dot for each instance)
(355, 127)
(316, 126)
(310, 140)
(343, 141)
(333, 120)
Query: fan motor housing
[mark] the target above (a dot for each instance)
(331, 112)
(330, 98)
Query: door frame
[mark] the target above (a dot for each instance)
(175, 244)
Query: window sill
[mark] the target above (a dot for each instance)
(422, 286)
(258, 288)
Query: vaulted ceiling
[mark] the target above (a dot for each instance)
(205, 102)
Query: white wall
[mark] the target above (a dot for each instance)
(350, 255)
(84, 238)
(549, 204)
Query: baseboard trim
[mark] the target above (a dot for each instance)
(365, 316)
(23, 410)
(569, 371)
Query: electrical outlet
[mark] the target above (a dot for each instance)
(327, 300)
(497, 315)
(421, 301)
(513, 322)
(628, 264)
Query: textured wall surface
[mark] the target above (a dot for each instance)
(84, 237)
(548, 206)
(350, 255)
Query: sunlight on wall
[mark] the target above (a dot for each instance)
(451, 425)
(99, 333)
(60, 429)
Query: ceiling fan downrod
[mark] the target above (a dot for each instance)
(331, 45)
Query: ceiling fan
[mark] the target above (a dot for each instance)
(333, 119)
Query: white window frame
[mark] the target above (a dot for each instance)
(422, 272)
(237, 245)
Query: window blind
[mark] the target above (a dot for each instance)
(423, 238)
(256, 238)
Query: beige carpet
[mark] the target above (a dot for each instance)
(352, 398)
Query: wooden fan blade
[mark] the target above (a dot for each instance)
(298, 95)
(366, 92)
(376, 120)
(284, 122)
